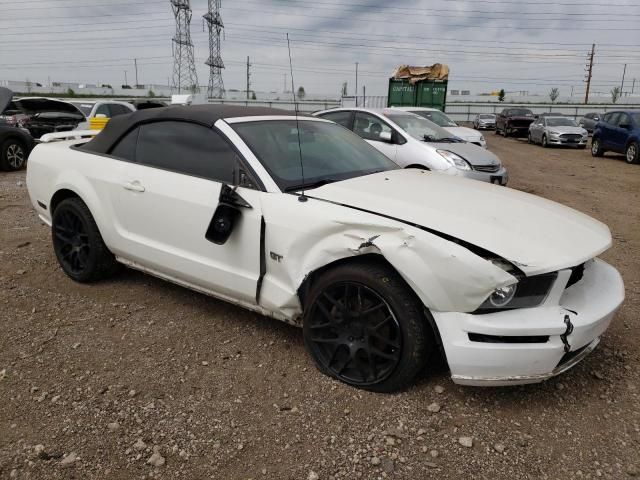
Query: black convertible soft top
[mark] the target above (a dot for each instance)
(206, 115)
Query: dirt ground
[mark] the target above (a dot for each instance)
(96, 378)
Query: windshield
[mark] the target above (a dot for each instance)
(330, 152)
(487, 117)
(560, 122)
(520, 112)
(436, 117)
(420, 128)
(83, 107)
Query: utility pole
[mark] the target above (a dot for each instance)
(364, 96)
(589, 74)
(248, 77)
(356, 84)
(135, 62)
(624, 71)
(572, 91)
(125, 78)
(633, 86)
(285, 84)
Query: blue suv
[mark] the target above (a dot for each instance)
(619, 132)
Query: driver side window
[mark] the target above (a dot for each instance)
(370, 127)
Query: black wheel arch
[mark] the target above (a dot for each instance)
(61, 195)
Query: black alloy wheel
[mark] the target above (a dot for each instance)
(13, 155)
(71, 242)
(77, 243)
(356, 336)
(365, 327)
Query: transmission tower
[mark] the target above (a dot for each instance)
(215, 63)
(185, 76)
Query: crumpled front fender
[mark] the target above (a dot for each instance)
(313, 234)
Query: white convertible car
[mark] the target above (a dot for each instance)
(381, 266)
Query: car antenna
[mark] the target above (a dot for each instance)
(302, 197)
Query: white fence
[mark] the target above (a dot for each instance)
(466, 112)
(305, 106)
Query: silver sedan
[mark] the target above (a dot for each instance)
(549, 131)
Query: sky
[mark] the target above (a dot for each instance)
(488, 44)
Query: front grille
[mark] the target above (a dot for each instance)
(486, 168)
(571, 136)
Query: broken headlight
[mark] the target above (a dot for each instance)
(528, 292)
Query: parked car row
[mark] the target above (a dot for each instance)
(412, 141)
(302, 220)
(25, 120)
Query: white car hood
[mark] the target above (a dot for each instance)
(535, 234)
(464, 133)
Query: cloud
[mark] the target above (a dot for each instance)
(488, 44)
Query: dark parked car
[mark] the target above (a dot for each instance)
(514, 121)
(38, 115)
(618, 132)
(588, 122)
(15, 142)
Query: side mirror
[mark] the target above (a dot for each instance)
(386, 137)
(226, 215)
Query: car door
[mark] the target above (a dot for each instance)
(622, 131)
(608, 130)
(167, 198)
(372, 129)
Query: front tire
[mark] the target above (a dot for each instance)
(544, 143)
(596, 148)
(78, 245)
(13, 155)
(632, 155)
(365, 327)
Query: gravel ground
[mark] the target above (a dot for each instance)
(136, 378)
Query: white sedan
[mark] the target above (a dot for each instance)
(303, 221)
(441, 119)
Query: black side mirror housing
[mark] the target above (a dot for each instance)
(226, 215)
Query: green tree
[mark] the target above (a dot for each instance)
(554, 93)
(301, 93)
(151, 94)
(615, 94)
(501, 95)
(253, 96)
(70, 92)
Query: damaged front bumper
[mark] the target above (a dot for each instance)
(533, 344)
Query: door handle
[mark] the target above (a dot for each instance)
(134, 186)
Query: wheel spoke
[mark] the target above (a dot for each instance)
(377, 327)
(373, 309)
(385, 340)
(381, 354)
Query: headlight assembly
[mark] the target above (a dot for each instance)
(528, 292)
(454, 160)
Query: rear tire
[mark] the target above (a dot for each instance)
(632, 154)
(13, 155)
(364, 326)
(78, 245)
(596, 147)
